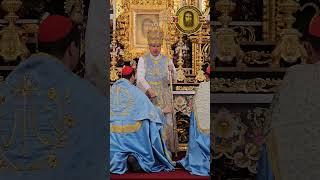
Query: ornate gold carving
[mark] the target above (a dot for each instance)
(126, 23)
(190, 80)
(227, 48)
(200, 74)
(269, 20)
(186, 88)
(11, 42)
(183, 147)
(129, 128)
(247, 85)
(289, 48)
(113, 71)
(255, 57)
(180, 70)
(180, 103)
(239, 138)
(75, 9)
(183, 130)
(245, 34)
(31, 28)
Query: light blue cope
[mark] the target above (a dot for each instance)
(52, 124)
(135, 129)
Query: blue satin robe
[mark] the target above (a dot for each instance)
(264, 166)
(197, 159)
(130, 107)
(52, 124)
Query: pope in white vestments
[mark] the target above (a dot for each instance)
(153, 78)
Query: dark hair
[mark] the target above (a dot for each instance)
(58, 48)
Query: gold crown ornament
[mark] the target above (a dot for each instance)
(155, 35)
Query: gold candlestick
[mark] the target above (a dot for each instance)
(11, 42)
(227, 48)
(180, 71)
(113, 71)
(289, 47)
(200, 74)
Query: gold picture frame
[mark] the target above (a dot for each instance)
(189, 19)
(141, 18)
(130, 16)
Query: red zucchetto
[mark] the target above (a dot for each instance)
(314, 27)
(54, 28)
(127, 70)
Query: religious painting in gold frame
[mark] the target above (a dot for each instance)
(141, 19)
(142, 23)
(189, 19)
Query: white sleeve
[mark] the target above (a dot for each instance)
(141, 73)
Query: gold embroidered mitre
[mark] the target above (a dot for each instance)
(155, 35)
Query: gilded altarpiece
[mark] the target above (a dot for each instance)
(189, 51)
(254, 42)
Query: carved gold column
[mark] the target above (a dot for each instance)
(289, 48)
(200, 74)
(180, 71)
(113, 70)
(227, 48)
(11, 42)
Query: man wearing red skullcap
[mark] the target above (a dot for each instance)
(132, 113)
(60, 118)
(58, 37)
(312, 45)
(128, 73)
(292, 140)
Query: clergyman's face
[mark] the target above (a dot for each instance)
(155, 49)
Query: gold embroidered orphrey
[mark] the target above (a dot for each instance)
(25, 129)
(120, 105)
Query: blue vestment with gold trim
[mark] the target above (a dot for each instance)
(135, 125)
(197, 160)
(52, 124)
